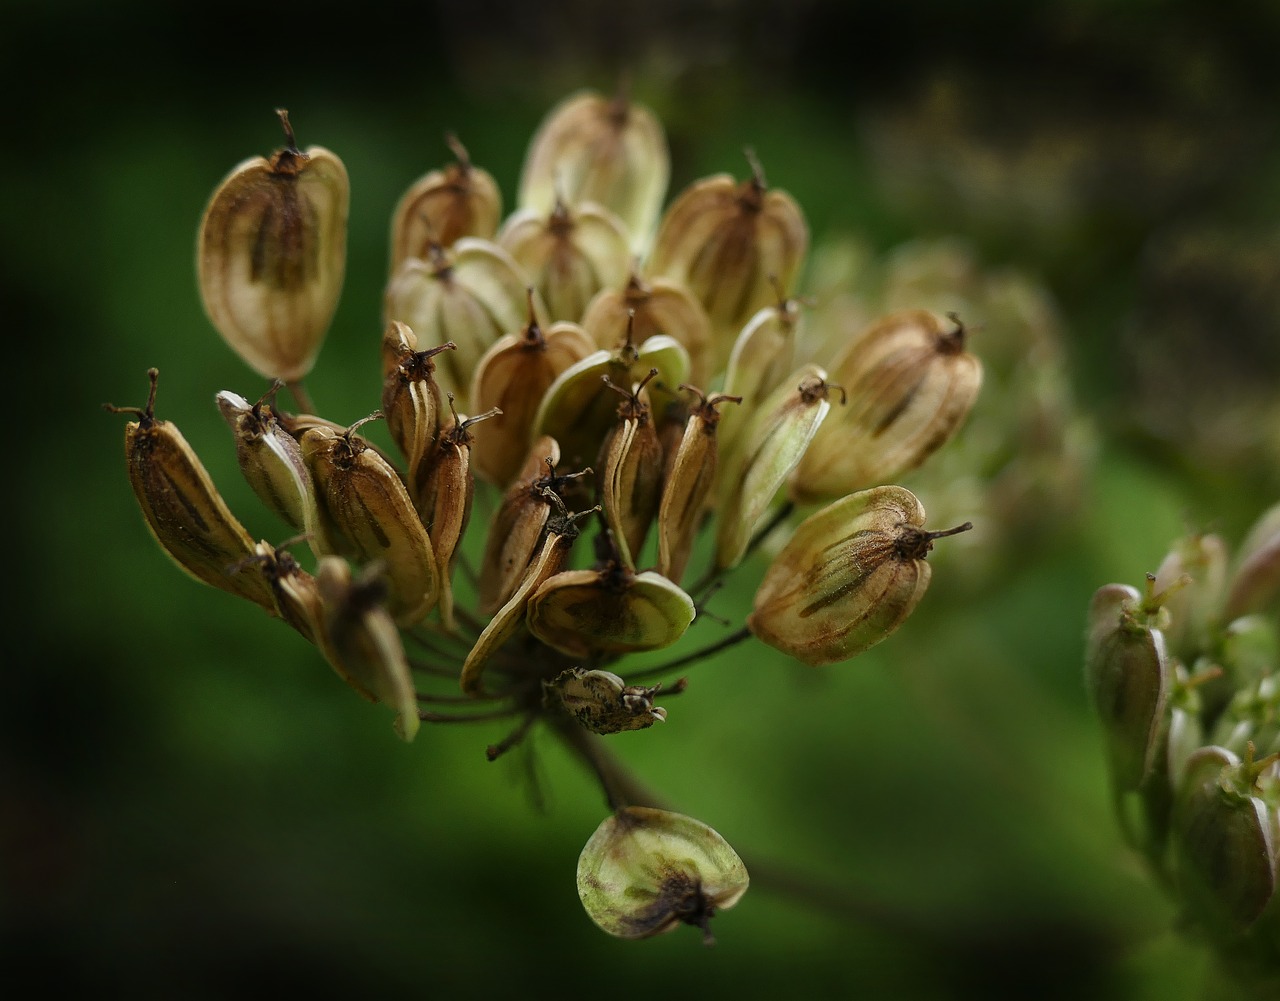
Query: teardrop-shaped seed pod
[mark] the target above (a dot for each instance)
(584, 613)
(631, 472)
(847, 578)
(611, 151)
(602, 702)
(729, 243)
(443, 206)
(646, 871)
(271, 256)
(762, 355)
(568, 255)
(911, 383)
(1255, 577)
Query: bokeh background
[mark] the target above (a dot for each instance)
(192, 805)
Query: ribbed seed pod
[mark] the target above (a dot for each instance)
(471, 294)
(183, 509)
(513, 376)
(296, 592)
(729, 244)
(411, 398)
(272, 253)
(773, 443)
(762, 355)
(365, 513)
(911, 383)
(568, 255)
(443, 206)
(847, 578)
(631, 472)
(590, 148)
(602, 702)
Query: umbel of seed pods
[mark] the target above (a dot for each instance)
(634, 376)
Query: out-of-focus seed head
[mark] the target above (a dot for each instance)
(272, 253)
(1255, 577)
(847, 578)
(646, 871)
(602, 702)
(1193, 578)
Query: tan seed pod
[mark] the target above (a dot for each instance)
(729, 243)
(590, 148)
(296, 593)
(411, 398)
(631, 478)
(847, 578)
(365, 513)
(911, 383)
(568, 255)
(183, 509)
(602, 702)
(762, 355)
(443, 206)
(272, 253)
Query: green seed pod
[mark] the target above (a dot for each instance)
(631, 484)
(365, 513)
(590, 148)
(569, 255)
(645, 871)
(184, 511)
(361, 640)
(762, 355)
(1255, 578)
(584, 613)
(847, 578)
(271, 256)
(1193, 579)
(911, 383)
(443, 206)
(602, 702)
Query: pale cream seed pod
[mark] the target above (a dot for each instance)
(762, 356)
(602, 702)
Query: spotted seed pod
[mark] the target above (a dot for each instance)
(365, 513)
(646, 871)
(728, 243)
(762, 355)
(272, 253)
(847, 578)
(183, 509)
(602, 702)
(911, 383)
(444, 205)
(631, 478)
(568, 255)
(610, 151)
(471, 294)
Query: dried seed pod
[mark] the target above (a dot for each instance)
(365, 513)
(688, 484)
(911, 383)
(602, 702)
(590, 148)
(644, 309)
(513, 376)
(584, 613)
(728, 243)
(568, 255)
(411, 397)
(847, 578)
(762, 355)
(361, 640)
(444, 205)
(183, 509)
(773, 443)
(645, 871)
(631, 484)
(296, 593)
(270, 458)
(471, 294)
(272, 253)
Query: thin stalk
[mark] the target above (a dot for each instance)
(733, 639)
(301, 397)
(620, 787)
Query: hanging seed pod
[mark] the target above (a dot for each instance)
(631, 484)
(271, 256)
(471, 294)
(568, 255)
(645, 871)
(847, 578)
(361, 640)
(773, 443)
(911, 383)
(586, 613)
(602, 702)
(728, 243)
(1255, 579)
(184, 511)
(443, 206)
(513, 376)
(365, 514)
(270, 458)
(590, 148)
(688, 484)
(642, 310)
(411, 398)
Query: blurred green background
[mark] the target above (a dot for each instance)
(192, 805)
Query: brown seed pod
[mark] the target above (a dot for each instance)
(631, 479)
(411, 398)
(272, 253)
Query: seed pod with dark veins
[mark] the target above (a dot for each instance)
(602, 702)
(272, 253)
(631, 477)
